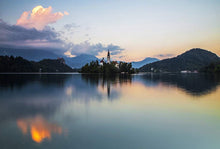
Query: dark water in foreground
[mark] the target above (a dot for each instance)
(74, 111)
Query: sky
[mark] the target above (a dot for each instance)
(131, 30)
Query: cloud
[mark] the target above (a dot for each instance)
(39, 17)
(164, 55)
(93, 49)
(71, 27)
(13, 36)
(85, 47)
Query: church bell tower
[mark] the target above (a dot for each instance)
(108, 57)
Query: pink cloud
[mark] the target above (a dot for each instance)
(39, 17)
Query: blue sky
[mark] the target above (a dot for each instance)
(142, 27)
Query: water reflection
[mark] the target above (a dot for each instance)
(30, 94)
(124, 111)
(108, 83)
(39, 128)
(193, 84)
(33, 94)
(12, 81)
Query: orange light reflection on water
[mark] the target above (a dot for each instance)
(39, 128)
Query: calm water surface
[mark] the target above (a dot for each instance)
(144, 111)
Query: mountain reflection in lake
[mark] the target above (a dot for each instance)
(93, 111)
(194, 84)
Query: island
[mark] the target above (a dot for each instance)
(108, 67)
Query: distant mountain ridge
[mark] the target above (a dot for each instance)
(31, 55)
(74, 62)
(191, 60)
(38, 55)
(147, 60)
(80, 60)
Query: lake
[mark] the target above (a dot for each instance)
(79, 111)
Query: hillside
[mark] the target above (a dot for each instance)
(144, 62)
(18, 64)
(212, 68)
(55, 65)
(191, 60)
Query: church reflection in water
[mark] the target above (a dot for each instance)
(39, 128)
(108, 84)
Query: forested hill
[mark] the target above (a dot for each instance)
(191, 60)
(18, 64)
(212, 68)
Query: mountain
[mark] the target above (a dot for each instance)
(144, 62)
(18, 64)
(32, 55)
(80, 60)
(38, 55)
(191, 60)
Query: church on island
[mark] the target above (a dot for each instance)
(107, 67)
(115, 63)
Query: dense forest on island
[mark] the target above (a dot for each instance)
(108, 68)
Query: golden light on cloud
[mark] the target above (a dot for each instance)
(40, 128)
(35, 10)
(68, 54)
(39, 17)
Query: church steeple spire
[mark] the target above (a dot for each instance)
(108, 57)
